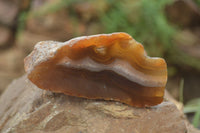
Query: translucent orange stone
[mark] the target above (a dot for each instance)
(105, 66)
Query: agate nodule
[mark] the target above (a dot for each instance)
(105, 66)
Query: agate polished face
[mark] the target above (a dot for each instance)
(105, 66)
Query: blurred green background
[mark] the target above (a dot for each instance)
(167, 28)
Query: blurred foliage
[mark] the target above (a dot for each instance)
(197, 2)
(21, 22)
(142, 19)
(179, 58)
(193, 106)
(147, 23)
(52, 7)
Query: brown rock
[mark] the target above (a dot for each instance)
(27, 40)
(26, 108)
(51, 25)
(6, 37)
(11, 60)
(8, 12)
(11, 66)
(5, 78)
(86, 11)
(188, 41)
(184, 13)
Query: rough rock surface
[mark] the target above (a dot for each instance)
(11, 66)
(26, 108)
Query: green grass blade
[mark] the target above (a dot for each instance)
(181, 90)
(196, 118)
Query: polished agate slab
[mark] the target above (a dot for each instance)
(105, 66)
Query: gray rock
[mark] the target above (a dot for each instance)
(26, 108)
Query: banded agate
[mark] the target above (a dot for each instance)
(105, 66)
